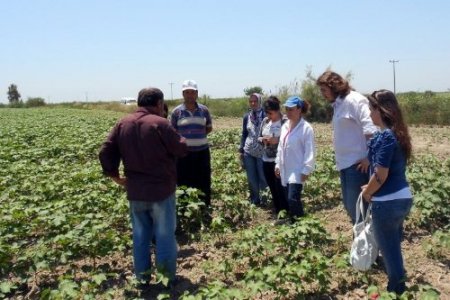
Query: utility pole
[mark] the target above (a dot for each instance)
(393, 61)
(171, 90)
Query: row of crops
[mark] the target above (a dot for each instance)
(64, 227)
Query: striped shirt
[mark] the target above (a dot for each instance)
(192, 125)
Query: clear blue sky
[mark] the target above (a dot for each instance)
(106, 50)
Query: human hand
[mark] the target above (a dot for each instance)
(277, 172)
(272, 140)
(363, 165)
(366, 196)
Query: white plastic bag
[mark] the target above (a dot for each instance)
(364, 249)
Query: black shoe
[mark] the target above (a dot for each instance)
(379, 262)
(171, 284)
(143, 286)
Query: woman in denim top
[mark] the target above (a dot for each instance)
(389, 151)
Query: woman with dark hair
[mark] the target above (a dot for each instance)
(269, 136)
(296, 154)
(388, 191)
(352, 128)
(251, 150)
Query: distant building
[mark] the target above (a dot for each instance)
(128, 101)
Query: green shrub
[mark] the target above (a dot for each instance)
(35, 102)
(439, 246)
(426, 108)
(428, 177)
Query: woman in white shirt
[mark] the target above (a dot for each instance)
(295, 156)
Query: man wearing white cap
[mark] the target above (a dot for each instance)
(193, 121)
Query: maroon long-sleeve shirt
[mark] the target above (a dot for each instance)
(148, 146)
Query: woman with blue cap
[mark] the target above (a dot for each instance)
(296, 154)
(251, 150)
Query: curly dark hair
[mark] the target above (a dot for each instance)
(339, 86)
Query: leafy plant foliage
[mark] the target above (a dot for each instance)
(61, 219)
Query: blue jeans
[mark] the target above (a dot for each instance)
(255, 177)
(293, 193)
(387, 220)
(351, 182)
(154, 219)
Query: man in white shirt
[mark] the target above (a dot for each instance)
(352, 127)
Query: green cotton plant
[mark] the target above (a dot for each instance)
(216, 290)
(58, 212)
(6, 288)
(439, 246)
(190, 210)
(67, 289)
(233, 212)
(55, 204)
(417, 291)
(428, 178)
(322, 189)
(285, 257)
(285, 261)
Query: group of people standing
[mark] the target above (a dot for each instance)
(157, 155)
(371, 143)
(277, 151)
(372, 146)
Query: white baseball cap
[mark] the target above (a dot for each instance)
(189, 85)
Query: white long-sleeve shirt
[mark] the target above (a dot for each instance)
(296, 152)
(351, 123)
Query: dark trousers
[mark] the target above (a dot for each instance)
(293, 193)
(276, 189)
(194, 170)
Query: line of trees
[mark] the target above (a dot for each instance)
(15, 99)
(321, 110)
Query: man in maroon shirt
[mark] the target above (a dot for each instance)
(148, 147)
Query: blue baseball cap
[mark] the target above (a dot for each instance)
(294, 101)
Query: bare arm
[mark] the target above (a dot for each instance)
(375, 182)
